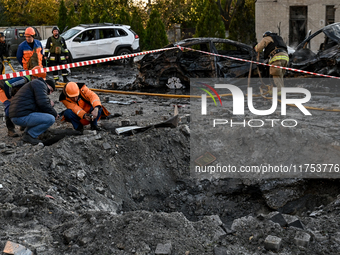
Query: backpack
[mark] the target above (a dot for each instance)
(34, 61)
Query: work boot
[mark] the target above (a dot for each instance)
(29, 139)
(65, 79)
(80, 128)
(95, 127)
(12, 133)
(11, 127)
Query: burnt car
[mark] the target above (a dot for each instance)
(174, 68)
(327, 59)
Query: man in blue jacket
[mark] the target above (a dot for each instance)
(30, 52)
(31, 108)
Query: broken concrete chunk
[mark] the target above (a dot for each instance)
(24, 252)
(89, 132)
(272, 243)
(106, 146)
(20, 212)
(16, 249)
(278, 218)
(81, 175)
(185, 129)
(162, 249)
(185, 119)
(296, 224)
(125, 123)
(216, 219)
(6, 209)
(293, 221)
(302, 239)
(319, 237)
(1, 186)
(100, 190)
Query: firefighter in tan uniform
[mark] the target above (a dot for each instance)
(276, 51)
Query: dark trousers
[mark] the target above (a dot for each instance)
(70, 116)
(55, 60)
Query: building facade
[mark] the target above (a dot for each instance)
(293, 19)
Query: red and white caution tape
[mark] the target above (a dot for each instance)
(77, 64)
(259, 63)
(102, 60)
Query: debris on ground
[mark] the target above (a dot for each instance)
(133, 194)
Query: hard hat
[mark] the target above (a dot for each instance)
(72, 89)
(267, 33)
(29, 31)
(55, 28)
(2, 34)
(40, 75)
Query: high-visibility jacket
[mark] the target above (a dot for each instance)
(52, 43)
(86, 99)
(269, 42)
(11, 87)
(25, 52)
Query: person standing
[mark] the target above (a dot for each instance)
(32, 108)
(3, 52)
(57, 53)
(30, 52)
(275, 50)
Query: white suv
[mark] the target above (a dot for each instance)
(92, 41)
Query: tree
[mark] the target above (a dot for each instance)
(62, 22)
(228, 10)
(210, 23)
(173, 11)
(85, 14)
(104, 10)
(137, 26)
(30, 12)
(242, 26)
(105, 17)
(3, 16)
(72, 18)
(155, 32)
(123, 17)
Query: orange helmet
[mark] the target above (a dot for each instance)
(29, 31)
(42, 74)
(72, 89)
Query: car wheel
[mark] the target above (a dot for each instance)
(10, 52)
(124, 61)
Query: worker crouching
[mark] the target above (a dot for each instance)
(83, 106)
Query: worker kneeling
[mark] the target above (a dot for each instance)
(31, 108)
(83, 106)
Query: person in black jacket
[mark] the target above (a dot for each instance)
(57, 53)
(31, 108)
(3, 51)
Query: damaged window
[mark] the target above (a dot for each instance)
(330, 14)
(230, 50)
(297, 24)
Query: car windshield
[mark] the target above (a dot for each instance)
(70, 33)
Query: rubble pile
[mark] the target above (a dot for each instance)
(129, 194)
